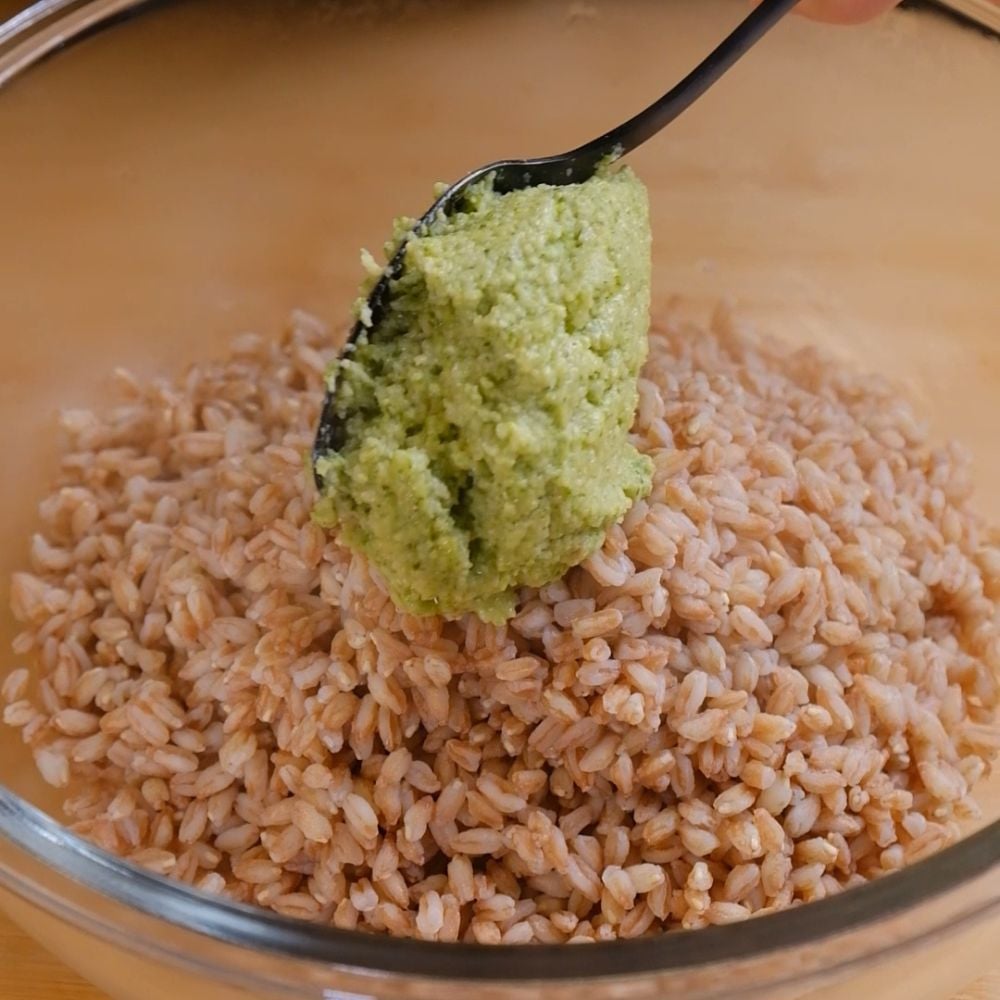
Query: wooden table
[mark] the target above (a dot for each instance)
(27, 972)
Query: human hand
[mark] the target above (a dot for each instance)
(844, 11)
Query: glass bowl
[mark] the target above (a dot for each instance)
(204, 168)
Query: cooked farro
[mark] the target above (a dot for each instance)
(778, 678)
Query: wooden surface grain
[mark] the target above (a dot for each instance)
(30, 973)
(27, 972)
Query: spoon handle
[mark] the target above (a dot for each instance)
(625, 137)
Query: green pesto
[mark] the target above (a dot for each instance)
(487, 418)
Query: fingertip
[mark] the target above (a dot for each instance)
(844, 11)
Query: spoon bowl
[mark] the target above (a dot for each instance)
(573, 167)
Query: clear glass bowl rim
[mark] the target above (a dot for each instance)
(27, 38)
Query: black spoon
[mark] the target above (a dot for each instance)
(564, 168)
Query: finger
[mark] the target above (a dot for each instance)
(844, 11)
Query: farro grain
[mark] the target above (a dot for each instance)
(776, 679)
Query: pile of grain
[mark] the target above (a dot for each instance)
(778, 678)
